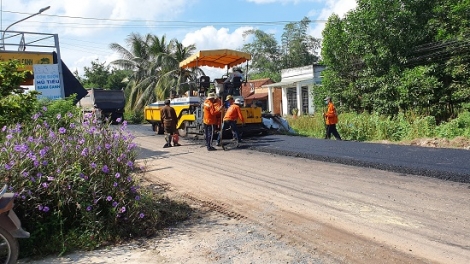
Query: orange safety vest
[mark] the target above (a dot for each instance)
(331, 116)
(234, 113)
(210, 113)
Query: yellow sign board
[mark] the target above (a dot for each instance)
(28, 59)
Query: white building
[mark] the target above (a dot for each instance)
(297, 89)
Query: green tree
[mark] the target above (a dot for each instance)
(97, 75)
(265, 55)
(298, 47)
(15, 106)
(385, 51)
(141, 60)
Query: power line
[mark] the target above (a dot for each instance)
(181, 22)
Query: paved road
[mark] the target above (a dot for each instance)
(448, 164)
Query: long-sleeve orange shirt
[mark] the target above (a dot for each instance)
(331, 116)
(234, 113)
(210, 112)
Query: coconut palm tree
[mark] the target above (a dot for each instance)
(155, 63)
(171, 74)
(141, 59)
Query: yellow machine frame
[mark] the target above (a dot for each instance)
(189, 109)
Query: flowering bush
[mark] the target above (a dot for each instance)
(76, 183)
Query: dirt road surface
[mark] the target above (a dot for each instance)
(265, 208)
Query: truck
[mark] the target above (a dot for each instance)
(106, 105)
(189, 109)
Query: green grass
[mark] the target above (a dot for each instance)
(365, 127)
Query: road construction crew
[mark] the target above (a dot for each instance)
(210, 119)
(169, 118)
(331, 118)
(230, 119)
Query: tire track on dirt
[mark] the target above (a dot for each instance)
(316, 210)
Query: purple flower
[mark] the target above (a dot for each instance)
(130, 164)
(93, 165)
(105, 169)
(44, 108)
(45, 209)
(131, 146)
(122, 210)
(4, 128)
(20, 148)
(40, 207)
(45, 185)
(115, 184)
(7, 166)
(137, 198)
(118, 120)
(141, 215)
(84, 152)
(115, 204)
(62, 130)
(59, 116)
(51, 134)
(9, 136)
(107, 146)
(36, 116)
(117, 175)
(69, 114)
(43, 152)
(72, 125)
(88, 208)
(109, 198)
(25, 174)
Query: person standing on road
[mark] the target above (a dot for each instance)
(169, 119)
(230, 119)
(331, 119)
(210, 119)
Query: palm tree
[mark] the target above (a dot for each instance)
(141, 60)
(171, 74)
(155, 63)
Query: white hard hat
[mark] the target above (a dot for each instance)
(238, 101)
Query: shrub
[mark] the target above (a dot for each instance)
(134, 117)
(77, 184)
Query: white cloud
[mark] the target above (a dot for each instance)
(339, 7)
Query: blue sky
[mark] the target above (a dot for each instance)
(87, 27)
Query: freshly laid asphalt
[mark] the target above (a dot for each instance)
(442, 163)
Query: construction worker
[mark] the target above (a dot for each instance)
(169, 119)
(210, 119)
(230, 119)
(331, 118)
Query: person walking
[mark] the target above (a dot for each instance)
(169, 119)
(331, 119)
(210, 119)
(230, 119)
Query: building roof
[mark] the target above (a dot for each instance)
(291, 82)
(257, 96)
(257, 83)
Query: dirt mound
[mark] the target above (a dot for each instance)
(458, 142)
